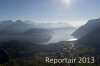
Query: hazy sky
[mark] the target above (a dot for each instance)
(72, 11)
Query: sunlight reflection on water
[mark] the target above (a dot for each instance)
(74, 39)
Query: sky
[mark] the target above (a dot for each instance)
(74, 12)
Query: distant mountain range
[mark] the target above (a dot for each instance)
(4, 24)
(15, 27)
(28, 30)
(22, 31)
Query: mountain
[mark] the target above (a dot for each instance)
(92, 38)
(58, 25)
(54, 25)
(16, 27)
(87, 28)
(36, 35)
(21, 26)
(29, 22)
(4, 24)
(30, 31)
(23, 31)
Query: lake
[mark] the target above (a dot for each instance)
(61, 35)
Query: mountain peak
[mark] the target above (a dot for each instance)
(19, 21)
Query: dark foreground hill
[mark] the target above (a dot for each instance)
(31, 54)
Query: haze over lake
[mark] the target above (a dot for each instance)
(61, 35)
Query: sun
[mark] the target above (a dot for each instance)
(63, 2)
(67, 1)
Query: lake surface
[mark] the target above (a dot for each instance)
(61, 35)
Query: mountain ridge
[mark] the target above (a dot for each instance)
(85, 29)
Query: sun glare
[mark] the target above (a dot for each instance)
(67, 1)
(62, 2)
